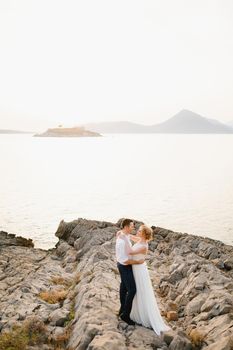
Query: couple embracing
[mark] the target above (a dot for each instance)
(137, 299)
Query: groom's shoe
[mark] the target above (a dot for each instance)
(127, 320)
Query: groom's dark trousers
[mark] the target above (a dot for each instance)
(127, 288)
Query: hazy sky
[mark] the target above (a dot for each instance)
(70, 62)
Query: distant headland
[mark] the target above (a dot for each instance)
(7, 131)
(184, 122)
(68, 132)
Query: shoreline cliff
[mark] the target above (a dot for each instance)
(67, 297)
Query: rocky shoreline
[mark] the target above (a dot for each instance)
(67, 297)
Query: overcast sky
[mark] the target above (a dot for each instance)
(71, 62)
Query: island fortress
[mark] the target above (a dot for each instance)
(68, 132)
(67, 297)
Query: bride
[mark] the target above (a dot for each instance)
(145, 310)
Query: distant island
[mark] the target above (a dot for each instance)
(184, 122)
(68, 132)
(6, 131)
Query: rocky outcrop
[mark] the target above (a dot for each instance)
(68, 132)
(70, 293)
(10, 239)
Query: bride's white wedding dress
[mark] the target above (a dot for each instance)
(145, 310)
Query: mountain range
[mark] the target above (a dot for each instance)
(230, 123)
(184, 122)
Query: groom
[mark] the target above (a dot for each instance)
(124, 264)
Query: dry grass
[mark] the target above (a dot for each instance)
(72, 294)
(196, 337)
(62, 281)
(77, 278)
(71, 314)
(32, 332)
(53, 296)
(62, 340)
(16, 339)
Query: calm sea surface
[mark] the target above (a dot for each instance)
(180, 182)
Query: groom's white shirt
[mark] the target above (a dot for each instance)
(121, 255)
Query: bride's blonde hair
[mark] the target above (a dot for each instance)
(147, 232)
